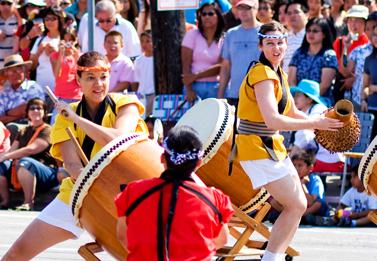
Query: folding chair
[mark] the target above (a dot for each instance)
(366, 122)
(250, 225)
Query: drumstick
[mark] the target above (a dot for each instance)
(54, 99)
(77, 146)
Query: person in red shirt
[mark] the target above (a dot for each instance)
(186, 220)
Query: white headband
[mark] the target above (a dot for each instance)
(272, 36)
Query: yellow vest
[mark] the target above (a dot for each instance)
(59, 135)
(250, 147)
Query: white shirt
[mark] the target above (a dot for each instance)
(144, 74)
(45, 74)
(294, 42)
(358, 201)
(130, 37)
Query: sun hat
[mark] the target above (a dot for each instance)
(309, 88)
(358, 11)
(40, 3)
(13, 61)
(252, 3)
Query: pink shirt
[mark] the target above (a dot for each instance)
(203, 56)
(122, 70)
(66, 86)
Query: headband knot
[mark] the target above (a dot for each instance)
(180, 158)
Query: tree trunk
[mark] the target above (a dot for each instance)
(167, 32)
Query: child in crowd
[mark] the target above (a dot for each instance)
(355, 204)
(190, 219)
(155, 129)
(144, 76)
(63, 64)
(122, 68)
(312, 186)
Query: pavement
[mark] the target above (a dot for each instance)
(313, 243)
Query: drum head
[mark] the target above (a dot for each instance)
(213, 120)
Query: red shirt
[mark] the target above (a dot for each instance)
(195, 225)
(363, 39)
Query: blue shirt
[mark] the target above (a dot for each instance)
(240, 47)
(10, 98)
(370, 69)
(315, 188)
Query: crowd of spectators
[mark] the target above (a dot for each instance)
(331, 55)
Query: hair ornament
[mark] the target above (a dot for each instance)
(180, 158)
(93, 68)
(272, 36)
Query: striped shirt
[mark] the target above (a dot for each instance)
(294, 42)
(9, 27)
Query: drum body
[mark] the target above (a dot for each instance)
(368, 168)
(213, 120)
(125, 159)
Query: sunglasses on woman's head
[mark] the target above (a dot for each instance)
(210, 13)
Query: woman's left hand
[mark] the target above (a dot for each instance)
(66, 110)
(188, 78)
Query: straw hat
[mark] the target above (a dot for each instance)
(13, 61)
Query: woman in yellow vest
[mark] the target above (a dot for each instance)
(96, 120)
(265, 107)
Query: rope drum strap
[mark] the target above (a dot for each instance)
(163, 232)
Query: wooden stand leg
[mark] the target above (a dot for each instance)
(251, 225)
(373, 216)
(88, 251)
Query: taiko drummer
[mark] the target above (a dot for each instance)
(186, 220)
(265, 107)
(96, 120)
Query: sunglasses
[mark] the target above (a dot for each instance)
(264, 8)
(50, 19)
(107, 21)
(210, 13)
(244, 7)
(314, 31)
(35, 108)
(5, 3)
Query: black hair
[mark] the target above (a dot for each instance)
(304, 156)
(113, 34)
(146, 33)
(326, 30)
(37, 101)
(90, 59)
(220, 21)
(303, 5)
(182, 139)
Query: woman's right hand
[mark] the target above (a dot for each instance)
(66, 110)
(190, 95)
(324, 123)
(36, 30)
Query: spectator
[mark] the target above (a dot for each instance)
(296, 13)
(343, 46)
(129, 10)
(315, 59)
(46, 44)
(307, 99)
(315, 8)
(122, 68)
(64, 4)
(348, 4)
(202, 220)
(265, 11)
(8, 29)
(144, 72)
(17, 91)
(77, 9)
(369, 92)
(4, 139)
(108, 20)
(239, 49)
(31, 29)
(312, 186)
(63, 64)
(356, 61)
(201, 53)
(191, 15)
(337, 17)
(357, 202)
(371, 4)
(281, 10)
(231, 17)
(155, 129)
(28, 163)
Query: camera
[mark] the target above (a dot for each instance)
(68, 45)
